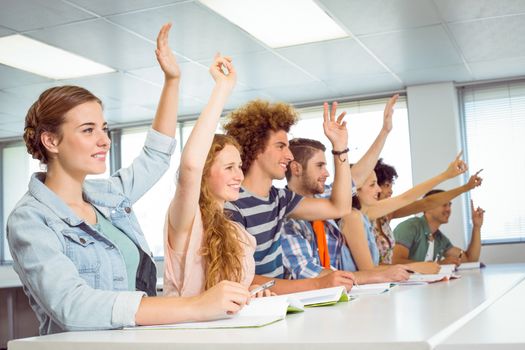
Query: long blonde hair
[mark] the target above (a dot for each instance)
(222, 251)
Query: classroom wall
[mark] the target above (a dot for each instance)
(435, 138)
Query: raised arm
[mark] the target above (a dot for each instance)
(366, 164)
(184, 204)
(437, 199)
(385, 206)
(340, 201)
(165, 120)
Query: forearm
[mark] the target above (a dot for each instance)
(341, 197)
(164, 310)
(283, 286)
(362, 169)
(165, 120)
(474, 249)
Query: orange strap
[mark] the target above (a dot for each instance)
(322, 246)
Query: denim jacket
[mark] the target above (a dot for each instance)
(74, 277)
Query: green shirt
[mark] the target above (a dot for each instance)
(128, 249)
(413, 234)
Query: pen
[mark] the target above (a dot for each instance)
(262, 287)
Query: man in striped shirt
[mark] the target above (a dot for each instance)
(261, 129)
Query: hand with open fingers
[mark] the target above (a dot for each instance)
(337, 278)
(335, 128)
(225, 298)
(396, 273)
(223, 71)
(389, 112)
(166, 57)
(474, 181)
(457, 167)
(477, 215)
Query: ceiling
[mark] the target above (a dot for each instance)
(391, 44)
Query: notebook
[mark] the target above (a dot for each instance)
(320, 297)
(370, 289)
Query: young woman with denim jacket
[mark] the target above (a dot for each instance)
(76, 244)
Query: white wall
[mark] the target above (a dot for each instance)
(435, 138)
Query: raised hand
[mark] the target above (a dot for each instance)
(335, 129)
(225, 298)
(389, 112)
(457, 167)
(222, 71)
(165, 57)
(474, 181)
(477, 215)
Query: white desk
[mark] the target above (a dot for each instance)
(500, 326)
(407, 317)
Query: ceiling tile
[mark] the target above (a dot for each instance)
(12, 77)
(459, 10)
(305, 92)
(124, 88)
(197, 32)
(101, 42)
(497, 69)
(362, 84)
(4, 134)
(336, 57)
(5, 31)
(414, 49)
(128, 114)
(43, 14)
(491, 39)
(105, 7)
(14, 105)
(376, 16)
(265, 69)
(239, 98)
(435, 75)
(6, 117)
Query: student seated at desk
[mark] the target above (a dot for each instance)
(386, 174)
(357, 227)
(202, 246)
(76, 244)
(419, 238)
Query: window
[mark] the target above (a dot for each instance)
(494, 125)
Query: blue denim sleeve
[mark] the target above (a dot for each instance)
(53, 282)
(147, 168)
(298, 255)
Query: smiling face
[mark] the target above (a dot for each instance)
(440, 214)
(225, 175)
(275, 158)
(83, 144)
(386, 190)
(368, 194)
(313, 178)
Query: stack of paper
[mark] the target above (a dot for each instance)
(369, 289)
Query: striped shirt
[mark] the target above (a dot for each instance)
(263, 218)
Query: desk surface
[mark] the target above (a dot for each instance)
(500, 326)
(407, 317)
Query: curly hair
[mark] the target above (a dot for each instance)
(251, 124)
(384, 172)
(222, 245)
(47, 115)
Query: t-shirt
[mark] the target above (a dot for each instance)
(413, 234)
(184, 267)
(263, 218)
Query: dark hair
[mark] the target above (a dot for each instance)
(251, 124)
(431, 192)
(303, 150)
(47, 115)
(384, 172)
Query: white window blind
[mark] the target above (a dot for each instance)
(494, 118)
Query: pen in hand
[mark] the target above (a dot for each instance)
(262, 287)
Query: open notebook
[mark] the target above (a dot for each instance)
(320, 297)
(369, 289)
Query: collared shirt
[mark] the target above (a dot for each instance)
(414, 235)
(263, 218)
(75, 277)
